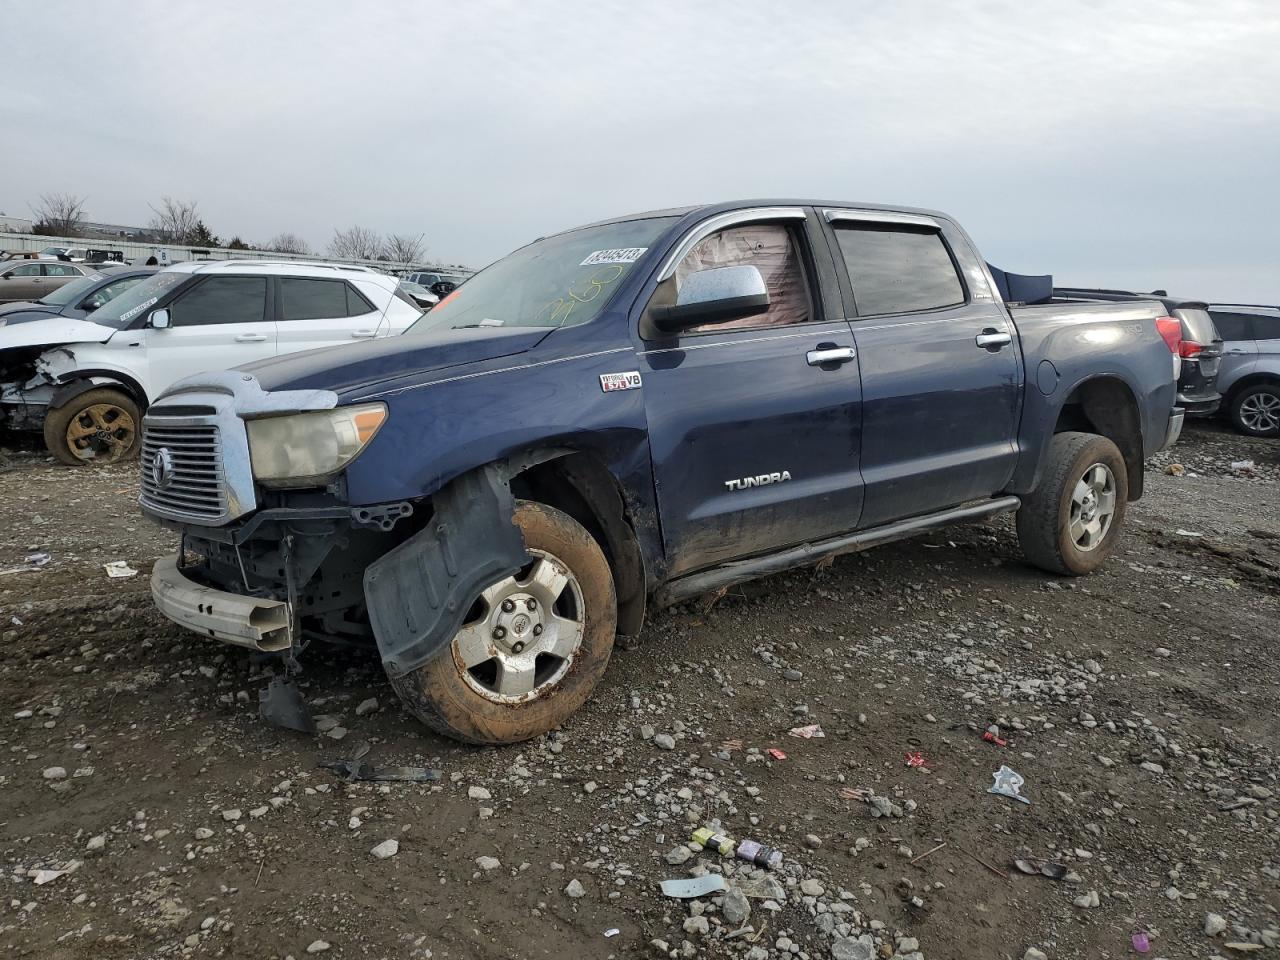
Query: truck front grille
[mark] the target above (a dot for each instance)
(182, 472)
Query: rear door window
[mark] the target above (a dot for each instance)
(1266, 327)
(897, 269)
(1234, 326)
(222, 300)
(312, 299)
(60, 270)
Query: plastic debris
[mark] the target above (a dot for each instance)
(1188, 533)
(686, 888)
(759, 854)
(36, 559)
(118, 569)
(1007, 783)
(1176, 470)
(710, 839)
(806, 733)
(1043, 868)
(731, 745)
(359, 770)
(856, 793)
(1242, 466)
(1141, 942)
(611, 932)
(917, 759)
(776, 754)
(992, 735)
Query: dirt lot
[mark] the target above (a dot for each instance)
(1140, 705)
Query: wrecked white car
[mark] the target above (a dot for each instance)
(85, 383)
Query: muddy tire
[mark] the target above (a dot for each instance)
(1255, 410)
(99, 426)
(532, 647)
(1070, 523)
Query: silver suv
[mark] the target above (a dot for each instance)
(1249, 376)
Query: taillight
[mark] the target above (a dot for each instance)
(1170, 329)
(1189, 348)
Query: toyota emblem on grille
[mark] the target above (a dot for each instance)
(162, 468)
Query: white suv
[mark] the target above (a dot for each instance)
(85, 383)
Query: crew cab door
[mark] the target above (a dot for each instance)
(323, 313)
(941, 370)
(218, 323)
(754, 424)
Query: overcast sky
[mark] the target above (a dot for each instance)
(1133, 143)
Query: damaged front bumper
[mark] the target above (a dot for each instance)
(259, 624)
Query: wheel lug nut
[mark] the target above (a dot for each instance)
(530, 603)
(499, 632)
(537, 630)
(517, 646)
(508, 605)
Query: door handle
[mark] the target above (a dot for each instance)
(362, 334)
(816, 358)
(252, 338)
(990, 338)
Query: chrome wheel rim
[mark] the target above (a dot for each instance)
(522, 634)
(1093, 505)
(1261, 412)
(102, 431)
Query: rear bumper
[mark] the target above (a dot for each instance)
(265, 625)
(1199, 405)
(1174, 430)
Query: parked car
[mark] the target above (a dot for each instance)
(428, 278)
(77, 299)
(1198, 391)
(419, 294)
(74, 254)
(1250, 374)
(85, 382)
(648, 408)
(28, 280)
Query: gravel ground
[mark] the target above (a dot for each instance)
(1140, 706)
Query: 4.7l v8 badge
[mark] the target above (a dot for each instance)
(610, 382)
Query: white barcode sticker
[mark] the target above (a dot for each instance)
(616, 255)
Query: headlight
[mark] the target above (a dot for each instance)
(307, 449)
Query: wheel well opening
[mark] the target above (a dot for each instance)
(1251, 380)
(1106, 406)
(581, 486)
(82, 382)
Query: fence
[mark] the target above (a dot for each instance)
(138, 252)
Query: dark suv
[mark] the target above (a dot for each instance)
(1201, 349)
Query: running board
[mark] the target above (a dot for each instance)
(742, 570)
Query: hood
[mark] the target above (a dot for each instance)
(51, 331)
(378, 361)
(24, 312)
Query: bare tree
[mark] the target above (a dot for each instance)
(288, 243)
(356, 243)
(176, 220)
(58, 215)
(401, 248)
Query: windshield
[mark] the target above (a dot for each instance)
(417, 289)
(560, 281)
(122, 311)
(53, 251)
(72, 291)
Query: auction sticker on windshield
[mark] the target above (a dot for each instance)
(616, 255)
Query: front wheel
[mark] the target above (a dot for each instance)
(99, 426)
(1070, 523)
(1256, 410)
(533, 645)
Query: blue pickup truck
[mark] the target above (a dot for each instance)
(636, 412)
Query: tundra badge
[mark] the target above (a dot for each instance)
(620, 381)
(760, 480)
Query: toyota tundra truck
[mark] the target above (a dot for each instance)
(633, 413)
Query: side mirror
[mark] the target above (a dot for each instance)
(718, 295)
(160, 319)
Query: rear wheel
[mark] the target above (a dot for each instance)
(99, 426)
(1070, 523)
(1256, 410)
(533, 645)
